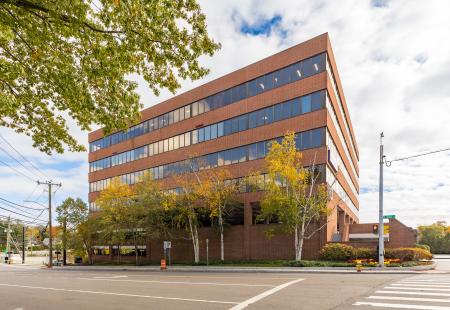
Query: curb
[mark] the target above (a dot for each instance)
(334, 270)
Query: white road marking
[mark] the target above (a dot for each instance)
(425, 283)
(110, 277)
(417, 288)
(399, 306)
(409, 298)
(212, 277)
(256, 298)
(179, 282)
(412, 293)
(117, 294)
(419, 285)
(429, 280)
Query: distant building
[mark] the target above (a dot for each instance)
(229, 122)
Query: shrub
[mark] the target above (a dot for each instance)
(424, 247)
(336, 252)
(364, 253)
(408, 254)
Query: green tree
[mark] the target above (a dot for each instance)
(70, 213)
(65, 58)
(87, 234)
(292, 193)
(436, 236)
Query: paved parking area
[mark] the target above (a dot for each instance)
(31, 288)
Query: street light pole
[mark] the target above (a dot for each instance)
(380, 197)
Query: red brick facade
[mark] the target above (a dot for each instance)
(248, 241)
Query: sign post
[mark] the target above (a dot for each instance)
(207, 252)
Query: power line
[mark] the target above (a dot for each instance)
(18, 171)
(16, 219)
(22, 206)
(14, 208)
(17, 213)
(15, 159)
(23, 157)
(389, 162)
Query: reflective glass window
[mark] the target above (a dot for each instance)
(201, 107)
(201, 135)
(181, 113)
(170, 144)
(252, 120)
(306, 104)
(286, 109)
(181, 140)
(268, 115)
(306, 140)
(227, 127)
(234, 124)
(260, 87)
(242, 91)
(214, 131)
(318, 100)
(207, 133)
(194, 136)
(252, 152)
(220, 129)
(187, 111)
(176, 116)
(161, 146)
(295, 72)
(251, 88)
(278, 112)
(187, 139)
(194, 109)
(268, 81)
(317, 137)
(242, 122)
(227, 97)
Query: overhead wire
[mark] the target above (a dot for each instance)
(17, 213)
(389, 162)
(23, 157)
(18, 171)
(21, 206)
(17, 161)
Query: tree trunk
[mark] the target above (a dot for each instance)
(222, 250)
(299, 238)
(195, 244)
(136, 249)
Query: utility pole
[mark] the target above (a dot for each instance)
(8, 241)
(380, 198)
(65, 238)
(50, 241)
(23, 244)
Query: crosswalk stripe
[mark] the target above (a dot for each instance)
(412, 293)
(399, 306)
(424, 283)
(419, 285)
(409, 298)
(417, 288)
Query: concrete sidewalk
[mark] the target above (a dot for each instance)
(226, 269)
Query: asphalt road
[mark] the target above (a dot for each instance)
(26, 288)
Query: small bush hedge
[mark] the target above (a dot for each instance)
(408, 254)
(343, 252)
(364, 253)
(336, 252)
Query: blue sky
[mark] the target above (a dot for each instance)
(394, 65)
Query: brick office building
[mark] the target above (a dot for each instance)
(228, 122)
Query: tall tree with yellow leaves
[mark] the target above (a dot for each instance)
(293, 194)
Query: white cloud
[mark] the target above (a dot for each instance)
(394, 65)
